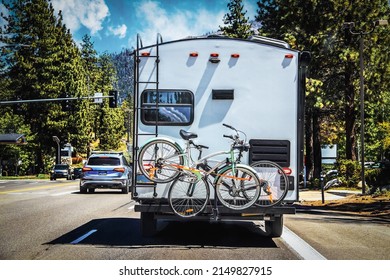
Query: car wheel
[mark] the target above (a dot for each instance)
(125, 190)
(83, 189)
(92, 190)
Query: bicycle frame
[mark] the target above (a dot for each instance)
(193, 166)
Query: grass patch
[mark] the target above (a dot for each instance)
(29, 177)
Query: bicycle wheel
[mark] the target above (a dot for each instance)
(188, 196)
(159, 161)
(237, 188)
(273, 182)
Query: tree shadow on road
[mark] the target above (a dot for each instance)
(339, 216)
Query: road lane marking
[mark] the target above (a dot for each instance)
(62, 193)
(300, 246)
(81, 238)
(38, 188)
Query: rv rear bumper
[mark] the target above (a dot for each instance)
(164, 211)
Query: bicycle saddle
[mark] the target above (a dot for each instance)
(187, 135)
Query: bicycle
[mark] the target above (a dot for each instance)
(274, 183)
(236, 185)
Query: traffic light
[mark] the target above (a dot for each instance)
(113, 100)
(67, 105)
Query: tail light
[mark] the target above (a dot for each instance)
(287, 170)
(85, 169)
(120, 169)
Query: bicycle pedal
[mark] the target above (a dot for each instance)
(267, 192)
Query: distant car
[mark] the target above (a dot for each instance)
(382, 165)
(61, 171)
(369, 164)
(77, 173)
(108, 170)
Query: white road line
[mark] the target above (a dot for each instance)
(29, 193)
(300, 246)
(62, 193)
(81, 238)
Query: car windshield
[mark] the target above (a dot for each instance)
(104, 161)
(61, 167)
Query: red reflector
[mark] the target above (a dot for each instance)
(119, 169)
(289, 55)
(287, 170)
(148, 166)
(193, 54)
(214, 55)
(145, 54)
(235, 55)
(85, 169)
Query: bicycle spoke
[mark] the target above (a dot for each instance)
(158, 161)
(188, 199)
(239, 191)
(273, 182)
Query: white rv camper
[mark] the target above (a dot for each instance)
(255, 85)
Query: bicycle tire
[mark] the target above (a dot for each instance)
(273, 181)
(157, 160)
(247, 193)
(188, 198)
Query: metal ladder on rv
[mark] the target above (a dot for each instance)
(138, 108)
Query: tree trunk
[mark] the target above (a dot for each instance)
(317, 157)
(308, 143)
(350, 114)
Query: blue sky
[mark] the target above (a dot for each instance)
(114, 24)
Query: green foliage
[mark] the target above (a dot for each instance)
(111, 129)
(236, 24)
(43, 61)
(350, 172)
(317, 26)
(377, 178)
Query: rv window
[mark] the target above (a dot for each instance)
(174, 107)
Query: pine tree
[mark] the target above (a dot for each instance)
(44, 65)
(111, 129)
(317, 26)
(236, 24)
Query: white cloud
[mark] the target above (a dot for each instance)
(119, 31)
(88, 13)
(251, 9)
(180, 24)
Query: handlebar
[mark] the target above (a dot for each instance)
(199, 147)
(239, 144)
(228, 126)
(229, 136)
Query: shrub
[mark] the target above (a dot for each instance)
(349, 172)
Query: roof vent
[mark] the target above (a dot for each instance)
(270, 41)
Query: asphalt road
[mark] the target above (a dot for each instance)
(51, 220)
